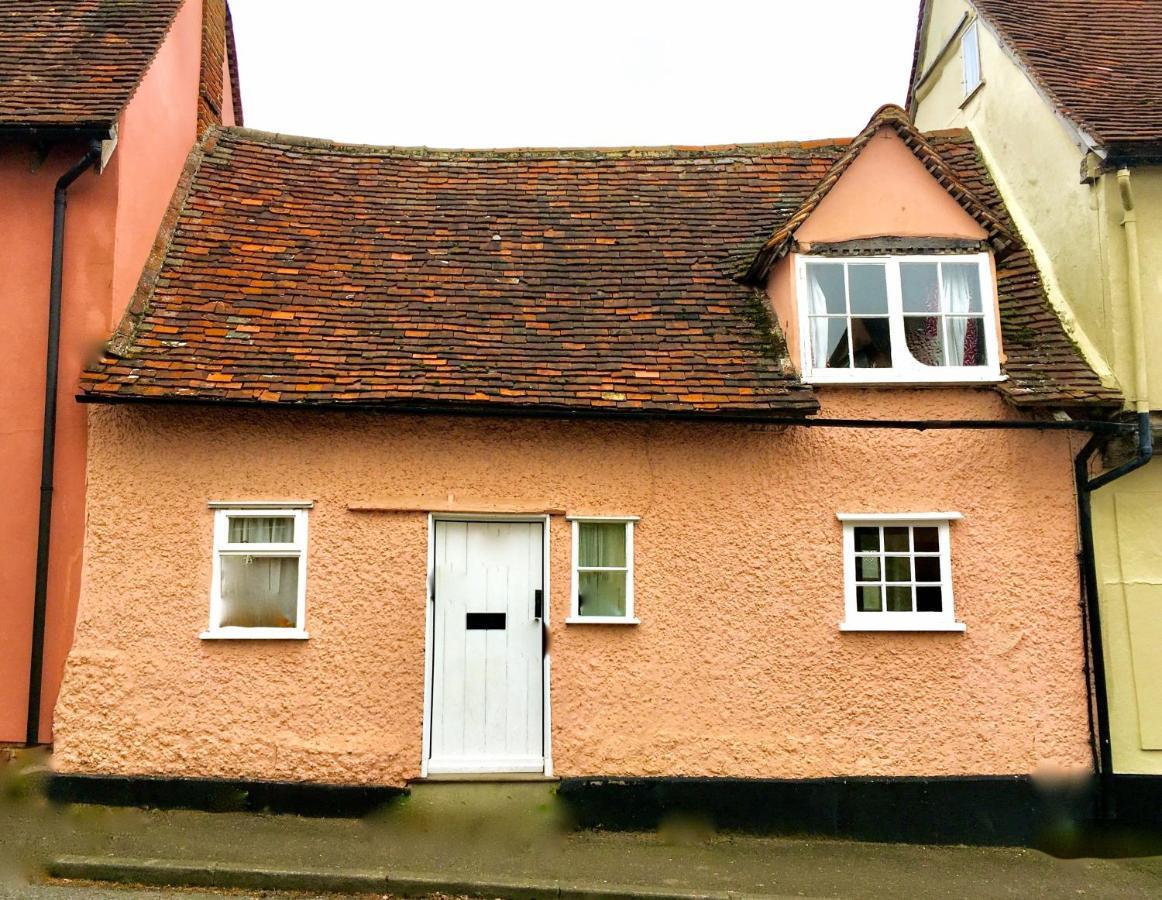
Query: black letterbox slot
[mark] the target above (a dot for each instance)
(485, 621)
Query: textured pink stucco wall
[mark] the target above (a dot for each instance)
(738, 667)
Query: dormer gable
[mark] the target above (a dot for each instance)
(886, 192)
(886, 274)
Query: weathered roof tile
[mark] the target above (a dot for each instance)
(76, 63)
(586, 281)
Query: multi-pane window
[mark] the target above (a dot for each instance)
(898, 319)
(603, 570)
(258, 587)
(943, 313)
(898, 573)
(849, 313)
(970, 56)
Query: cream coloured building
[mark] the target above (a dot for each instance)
(1064, 101)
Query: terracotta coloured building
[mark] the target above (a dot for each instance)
(100, 104)
(732, 462)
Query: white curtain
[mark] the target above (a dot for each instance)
(956, 300)
(820, 328)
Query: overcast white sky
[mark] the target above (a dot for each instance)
(508, 73)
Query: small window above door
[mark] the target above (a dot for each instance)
(602, 571)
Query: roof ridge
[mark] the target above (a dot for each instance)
(256, 135)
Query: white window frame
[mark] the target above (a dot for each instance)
(886, 620)
(910, 372)
(575, 615)
(970, 53)
(223, 513)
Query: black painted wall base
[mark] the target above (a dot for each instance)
(1009, 811)
(1137, 800)
(213, 795)
(985, 810)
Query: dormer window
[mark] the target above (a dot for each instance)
(897, 319)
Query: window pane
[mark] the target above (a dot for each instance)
(601, 543)
(869, 599)
(965, 341)
(601, 593)
(825, 289)
(961, 288)
(970, 53)
(261, 530)
(896, 539)
(899, 599)
(927, 568)
(928, 599)
(829, 343)
(868, 568)
(872, 342)
(259, 591)
(869, 290)
(927, 539)
(920, 285)
(867, 538)
(897, 568)
(925, 343)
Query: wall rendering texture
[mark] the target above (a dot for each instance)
(738, 667)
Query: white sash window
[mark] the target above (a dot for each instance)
(904, 320)
(258, 584)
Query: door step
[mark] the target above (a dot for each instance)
(486, 778)
(475, 808)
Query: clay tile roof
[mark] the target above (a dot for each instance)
(76, 63)
(1100, 61)
(579, 281)
(300, 271)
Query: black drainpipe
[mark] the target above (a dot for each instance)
(1095, 659)
(48, 441)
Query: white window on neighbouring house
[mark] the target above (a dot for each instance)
(897, 572)
(603, 570)
(904, 320)
(259, 572)
(970, 54)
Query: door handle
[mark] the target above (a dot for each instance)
(538, 604)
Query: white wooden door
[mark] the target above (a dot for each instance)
(487, 666)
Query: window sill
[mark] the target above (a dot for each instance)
(968, 97)
(902, 626)
(254, 634)
(601, 620)
(900, 379)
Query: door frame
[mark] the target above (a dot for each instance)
(429, 627)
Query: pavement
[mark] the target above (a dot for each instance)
(503, 841)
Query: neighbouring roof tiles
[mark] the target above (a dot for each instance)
(76, 63)
(1100, 62)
